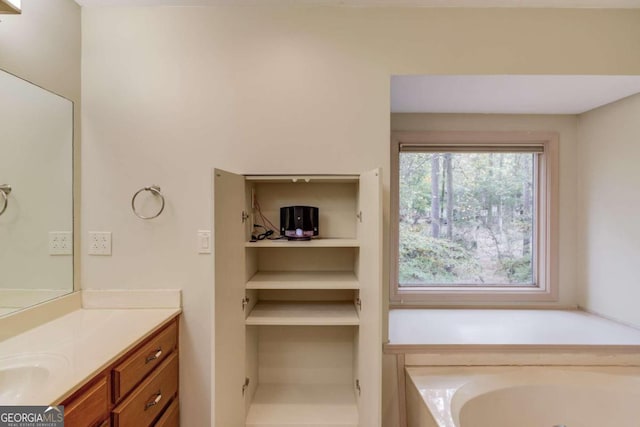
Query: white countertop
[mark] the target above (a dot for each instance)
(75, 347)
(482, 327)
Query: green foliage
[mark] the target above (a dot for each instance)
(424, 259)
(491, 219)
(518, 270)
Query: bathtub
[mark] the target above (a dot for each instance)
(523, 396)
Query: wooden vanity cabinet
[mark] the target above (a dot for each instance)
(90, 406)
(139, 389)
(141, 362)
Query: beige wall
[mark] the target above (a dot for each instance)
(42, 45)
(168, 93)
(610, 202)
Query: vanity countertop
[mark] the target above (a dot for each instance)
(62, 354)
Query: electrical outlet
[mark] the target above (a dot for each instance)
(60, 243)
(99, 243)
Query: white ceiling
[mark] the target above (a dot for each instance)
(508, 94)
(364, 3)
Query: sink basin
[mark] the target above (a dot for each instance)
(23, 376)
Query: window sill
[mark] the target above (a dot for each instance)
(420, 296)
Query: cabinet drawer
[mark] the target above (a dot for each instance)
(90, 407)
(146, 402)
(130, 372)
(171, 417)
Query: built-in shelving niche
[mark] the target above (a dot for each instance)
(305, 375)
(312, 353)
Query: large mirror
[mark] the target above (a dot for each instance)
(36, 194)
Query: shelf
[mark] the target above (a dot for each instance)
(335, 179)
(304, 280)
(315, 243)
(303, 313)
(303, 405)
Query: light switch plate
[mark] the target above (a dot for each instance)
(204, 241)
(60, 243)
(99, 243)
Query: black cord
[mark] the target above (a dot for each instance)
(261, 236)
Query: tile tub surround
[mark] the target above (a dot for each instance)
(79, 345)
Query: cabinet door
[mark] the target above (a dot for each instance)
(89, 408)
(369, 363)
(229, 341)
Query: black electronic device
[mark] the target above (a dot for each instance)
(299, 222)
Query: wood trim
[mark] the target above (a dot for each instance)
(471, 148)
(394, 226)
(512, 348)
(547, 226)
(522, 359)
(402, 389)
(472, 137)
(488, 306)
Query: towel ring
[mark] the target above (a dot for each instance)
(5, 190)
(155, 190)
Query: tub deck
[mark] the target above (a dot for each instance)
(432, 391)
(429, 328)
(419, 334)
(504, 337)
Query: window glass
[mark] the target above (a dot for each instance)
(467, 218)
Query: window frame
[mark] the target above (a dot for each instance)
(545, 222)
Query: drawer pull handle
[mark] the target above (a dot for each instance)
(154, 400)
(153, 356)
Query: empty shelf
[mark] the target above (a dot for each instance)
(314, 243)
(304, 280)
(303, 313)
(301, 405)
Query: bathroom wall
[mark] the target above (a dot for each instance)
(42, 45)
(609, 204)
(169, 93)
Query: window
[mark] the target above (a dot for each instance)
(474, 216)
